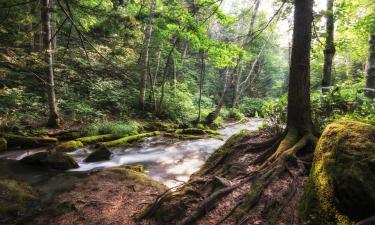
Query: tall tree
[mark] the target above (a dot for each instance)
(145, 56)
(299, 126)
(330, 50)
(370, 76)
(46, 6)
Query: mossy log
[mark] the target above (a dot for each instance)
(52, 160)
(97, 138)
(28, 142)
(129, 139)
(69, 146)
(341, 184)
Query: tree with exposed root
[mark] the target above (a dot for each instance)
(274, 158)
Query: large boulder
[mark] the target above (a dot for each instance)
(3, 144)
(54, 160)
(102, 153)
(69, 146)
(341, 186)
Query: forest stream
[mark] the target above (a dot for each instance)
(164, 159)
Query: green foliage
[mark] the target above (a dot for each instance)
(236, 114)
(115, 128)
(345, 101)
(179, 105)
(274, 111)
(251, 107)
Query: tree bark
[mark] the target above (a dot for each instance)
(145, 57)
(299, 109)
(54, 120)
(201, 79)
(159, 108)
(370, 77)
(329, 51)
(214, 114)
(237, 88)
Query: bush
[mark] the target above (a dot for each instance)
(344, 101)
(178, 104)
(251, 107)
(274, 111)
(235, 114)
(116, 128)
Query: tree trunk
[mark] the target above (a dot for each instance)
(329, 51)
(252, 22)
(370, 78)
(214, 114)
(159, 108)
(46, 24)
(145, 57)
(201, 78)
(299, 109)
(247, 40)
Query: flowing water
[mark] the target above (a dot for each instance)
(165, 160)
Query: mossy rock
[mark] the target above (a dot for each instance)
(15, 197)
(69, 146)
(3, 144)
(28, 142)
(129, 139)
(54, 160)
(137, 167)
(135, 177)
(102, 153)
(341, 186)
(97, 138)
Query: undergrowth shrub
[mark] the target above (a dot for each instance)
(116, 128)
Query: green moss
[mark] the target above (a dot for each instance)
(28, 142)
(97, 138)
(69, 146)
(53, 160)
(129, 139)
(137, 168)
(341, 185)
(135, 177)
(3, 144)
(196, 131)
(15, 196)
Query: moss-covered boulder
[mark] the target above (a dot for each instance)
(15, 197)
(69, 146)
(3, 144)
(129, 139)
(28, 142)
(341, 186)
(54, 160)
(102, 153)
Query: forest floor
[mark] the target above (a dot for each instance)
(106, 197)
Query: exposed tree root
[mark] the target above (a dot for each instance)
(273, 162)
